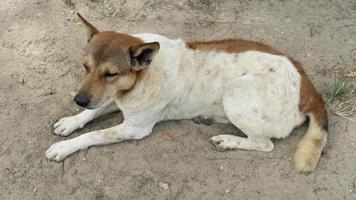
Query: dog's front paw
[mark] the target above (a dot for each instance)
(67, 125)
(58, 151)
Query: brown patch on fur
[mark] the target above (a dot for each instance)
(310, 100)
(107, 52)
(232, 46)
(110, 135)
(109, 46)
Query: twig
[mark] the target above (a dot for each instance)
(4, 151)
(62, 170)
(340, 115)
(65, 73)
(341, 27)
(3, 141)
(180, 189)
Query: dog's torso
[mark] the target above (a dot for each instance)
(183, 83)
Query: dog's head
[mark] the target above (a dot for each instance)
(112, 62)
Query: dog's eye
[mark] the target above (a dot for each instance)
(86, 67)
(110, 74)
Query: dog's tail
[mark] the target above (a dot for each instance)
(310, 147)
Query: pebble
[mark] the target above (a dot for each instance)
(221, 167)
(163, 186)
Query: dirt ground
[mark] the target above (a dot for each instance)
(41, 44)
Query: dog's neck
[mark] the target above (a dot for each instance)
(158, 82)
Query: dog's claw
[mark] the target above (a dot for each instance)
(203, 120)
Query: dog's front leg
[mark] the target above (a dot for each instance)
(122, 132)
(67, 125)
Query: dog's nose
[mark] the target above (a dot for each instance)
(81, 100)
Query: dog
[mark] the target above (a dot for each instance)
(151, 78)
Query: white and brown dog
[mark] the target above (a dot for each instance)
(152, 78)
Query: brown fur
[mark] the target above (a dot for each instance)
(311, 103)
(91, 30)
(107, 52)
(232, 46)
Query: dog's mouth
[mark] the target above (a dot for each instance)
(87, 103)
(92, 106)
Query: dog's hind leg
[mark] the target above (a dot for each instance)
(251, 125)
(244, 106)
(67, 125)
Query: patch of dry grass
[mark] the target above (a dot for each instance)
(342, 92)
(339, 91)
(345, 109)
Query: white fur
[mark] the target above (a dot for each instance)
(257, 92)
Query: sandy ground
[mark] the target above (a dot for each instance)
(40, 51)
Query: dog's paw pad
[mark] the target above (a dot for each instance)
(67, 125)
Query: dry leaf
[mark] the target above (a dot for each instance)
(166, 136)
(352, 74)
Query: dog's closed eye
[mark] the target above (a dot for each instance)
(86, 67)
(110, 74)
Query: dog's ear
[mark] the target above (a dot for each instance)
(142, 54)
(91, 30)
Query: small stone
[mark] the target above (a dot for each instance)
(34, 190)
(221, 167)
(136, 172)
(22, 80)
(227, 191)
(163, 186)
